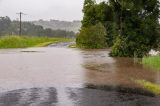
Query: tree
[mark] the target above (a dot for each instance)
(99, 13)
(137, 21)
(131, 25)
(104, 15)
(4, 24)
(89, 13)
(8, 27)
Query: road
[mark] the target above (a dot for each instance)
(61, 76)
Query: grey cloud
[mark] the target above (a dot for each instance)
(43, 9)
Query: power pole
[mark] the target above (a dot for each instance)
(20, 22)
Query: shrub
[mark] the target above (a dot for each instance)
(124, 47)
(92, 37)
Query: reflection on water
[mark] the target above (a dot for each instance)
(69, 67)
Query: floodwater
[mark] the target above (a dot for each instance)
(60, 76)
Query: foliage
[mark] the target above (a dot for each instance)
(89, 18)
(137, 21)
(4, 24)
(123, 47)
(25, 41)
(132, 25)
(62, 25)
(8, 27)
(92, 37)
(99, 13)
(158, 39)
(153, 62)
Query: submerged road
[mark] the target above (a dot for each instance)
(74, 97)
(61, 76)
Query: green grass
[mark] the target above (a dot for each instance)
(154, 88)
(27, 41)
(152, 61)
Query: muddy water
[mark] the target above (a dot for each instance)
(69, 67)
(58, 76)
(105, 70)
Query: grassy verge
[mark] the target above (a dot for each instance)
(153, 62)
(154, 88)
(26, 41)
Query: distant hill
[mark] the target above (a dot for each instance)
(62, 25)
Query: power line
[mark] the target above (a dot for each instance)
(20, 22)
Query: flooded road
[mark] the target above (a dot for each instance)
(58, 76)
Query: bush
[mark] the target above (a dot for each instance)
(124, 47)
(92, 37)
(118, 48)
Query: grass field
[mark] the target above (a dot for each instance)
(153, 62)
(27, 41)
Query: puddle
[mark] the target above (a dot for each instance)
(31, 51)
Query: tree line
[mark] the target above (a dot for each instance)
(130, 27)
(9, 27)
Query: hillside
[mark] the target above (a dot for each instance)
(56, 24)
(9, 27)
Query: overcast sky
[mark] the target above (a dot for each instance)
(43, 9)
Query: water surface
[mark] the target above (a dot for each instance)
(69, 67)
(57, 75)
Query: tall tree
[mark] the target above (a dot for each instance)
(89, 13)
(137, 22)
(99, 13)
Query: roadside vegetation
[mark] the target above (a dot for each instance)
(28, 41)
(129, 30)
(152, 61)
(92, 37)
(154, 88)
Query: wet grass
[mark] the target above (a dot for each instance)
(121, 89)
(152, 61)
(28, 41)
(154, 88)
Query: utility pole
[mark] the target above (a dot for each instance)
(20, 22)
